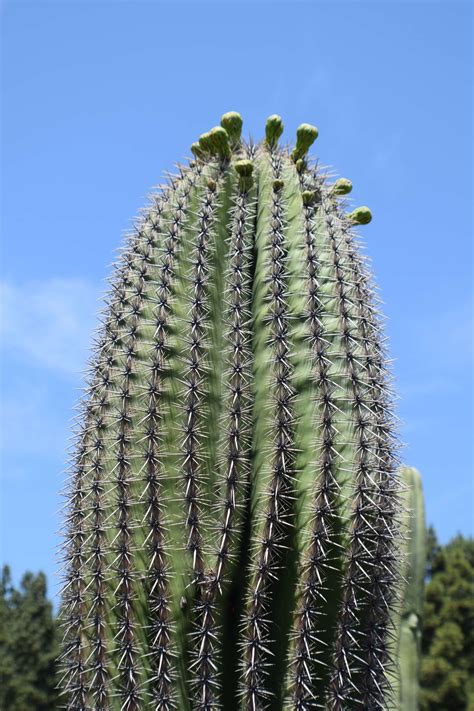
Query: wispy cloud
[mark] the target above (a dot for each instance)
(49, 322)
(45, 330)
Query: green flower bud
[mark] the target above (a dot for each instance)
(205, 142)
(342, 186)
(219, 142)
(360, 216)
(273, 130)
(232, 123)
(196, 150)
(306, 134)
(300, 165)
(309, 197)
(244, 169)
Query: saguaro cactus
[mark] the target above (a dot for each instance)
(232, 521)
(411, 592)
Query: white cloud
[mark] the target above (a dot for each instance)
(49, 322)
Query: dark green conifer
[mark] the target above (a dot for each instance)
(447, 667)
(28, 646)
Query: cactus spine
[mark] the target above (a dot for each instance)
(232, 534)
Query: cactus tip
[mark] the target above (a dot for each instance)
(360, 216)
(273, 130)
(278, 185)
(307, 133)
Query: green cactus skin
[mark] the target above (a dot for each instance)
(409, 616)
(232, 520)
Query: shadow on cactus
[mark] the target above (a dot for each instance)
(232, 533)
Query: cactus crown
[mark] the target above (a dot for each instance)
(231, 535)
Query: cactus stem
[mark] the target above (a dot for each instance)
(232, 522)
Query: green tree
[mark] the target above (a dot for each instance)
(447, 668)
(28, 645)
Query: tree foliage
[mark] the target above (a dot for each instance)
(28, 645)
(447, 668)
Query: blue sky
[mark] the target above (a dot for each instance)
(100, 98)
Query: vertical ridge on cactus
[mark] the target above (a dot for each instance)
(231, 537)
